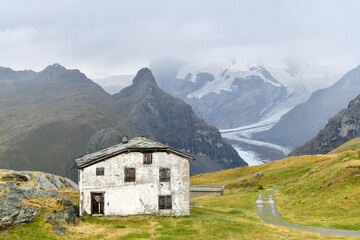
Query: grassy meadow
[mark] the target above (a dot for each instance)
(320, 190)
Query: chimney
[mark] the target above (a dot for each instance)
(125, 139)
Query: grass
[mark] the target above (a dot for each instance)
(320, 190)
(232, 216)
(353, 145)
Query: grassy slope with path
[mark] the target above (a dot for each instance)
(319, 190)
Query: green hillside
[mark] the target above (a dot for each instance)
(320, 190)
(353, 144)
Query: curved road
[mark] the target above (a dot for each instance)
(267, 211)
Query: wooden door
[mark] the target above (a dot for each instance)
(97, 203)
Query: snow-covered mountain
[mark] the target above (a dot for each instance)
(243, 100)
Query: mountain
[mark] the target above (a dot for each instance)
(241, 100)
(341, 128)
(48, 118)
(227, 96)
(305, 120)
(169, 120)
(54, 116)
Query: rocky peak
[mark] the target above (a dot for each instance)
(144, 77)
(55, 66)
(8, 73)
(67, 78)
(5, 70)
(59, 71)
(143, 84)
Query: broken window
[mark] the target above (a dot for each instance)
(165, 202)
(129, 174)
(147, 158)
(164, 174)
(100, 171)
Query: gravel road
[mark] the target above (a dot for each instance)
(267, 211)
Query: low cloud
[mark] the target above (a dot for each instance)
(119, 37)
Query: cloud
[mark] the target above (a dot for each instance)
(119, 37)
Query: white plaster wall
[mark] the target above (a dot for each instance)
(141, 196)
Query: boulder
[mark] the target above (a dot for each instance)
(66, 202)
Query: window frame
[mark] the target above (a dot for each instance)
(167, 173)
(100, 171)
(167, 204)
(146, 158)
(125, 175)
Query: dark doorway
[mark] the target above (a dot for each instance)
(97, 203)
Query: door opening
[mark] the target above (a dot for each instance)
(97, 203)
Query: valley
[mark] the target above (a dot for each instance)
(180, 120)
(247, 102)
(301, 182)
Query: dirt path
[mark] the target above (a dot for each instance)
(267, 211)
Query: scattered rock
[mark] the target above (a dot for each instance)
(66, 202)
(73, 213)
(3, 229)
(193, 204)
(60, 231)
(250, 184)
(59, 219)
(331, 183)
(51, 221)
(258, 175)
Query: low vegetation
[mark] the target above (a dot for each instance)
(321, 190)
(353, 144)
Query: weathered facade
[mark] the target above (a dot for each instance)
(136, 177)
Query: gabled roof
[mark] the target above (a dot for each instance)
(138, 144)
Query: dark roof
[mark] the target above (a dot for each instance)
(137, 144)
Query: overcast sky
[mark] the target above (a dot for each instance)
(118, 37)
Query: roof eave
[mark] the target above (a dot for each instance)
(104, 157)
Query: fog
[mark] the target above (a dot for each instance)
(103, 38)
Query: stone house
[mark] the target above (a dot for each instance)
(135, 177)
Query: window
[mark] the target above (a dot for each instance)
(164, 174)
(99, 171)
(147, 158)
(165, 202)
(129, 174)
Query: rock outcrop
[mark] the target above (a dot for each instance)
(24, 195)
(341, 128)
